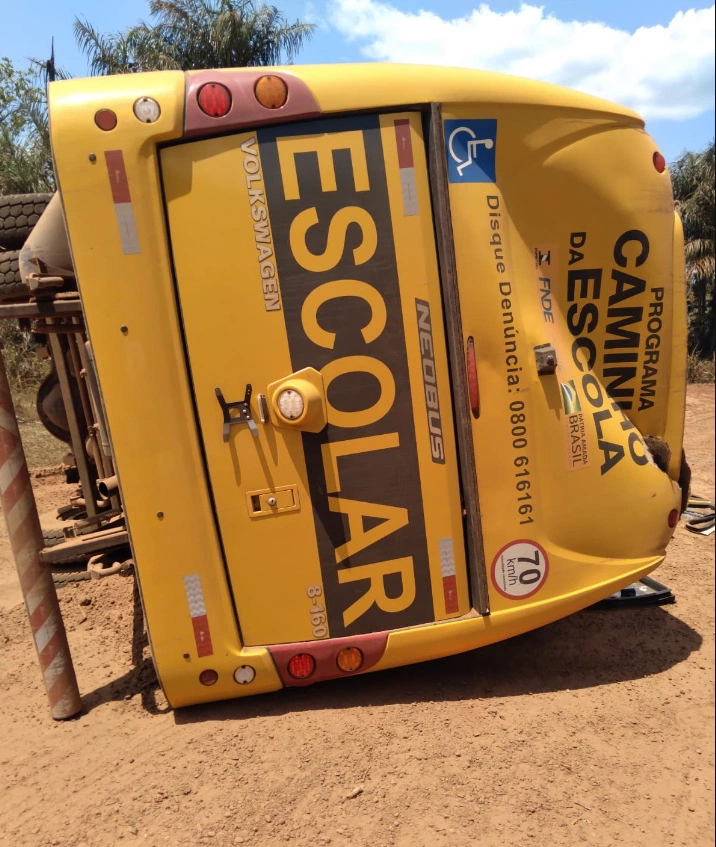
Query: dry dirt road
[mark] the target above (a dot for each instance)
(596, 730)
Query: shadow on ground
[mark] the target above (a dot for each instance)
(141, 679)
(588, 649)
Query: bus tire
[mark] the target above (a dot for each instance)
(11, 284)
(53, 536)
(18, 215)
(68, 574)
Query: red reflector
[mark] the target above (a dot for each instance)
(472, 378)
(208, 677)
(105, 119)
(301, 666)
(659, 162)
(673, 518)
(214, 100)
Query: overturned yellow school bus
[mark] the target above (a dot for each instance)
(392, 359)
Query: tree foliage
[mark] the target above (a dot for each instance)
(192, 34)
(693, 177)
(184, 34)
(25, 158)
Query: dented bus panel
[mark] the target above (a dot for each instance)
(332, 476)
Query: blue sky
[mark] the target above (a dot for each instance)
(654, 55)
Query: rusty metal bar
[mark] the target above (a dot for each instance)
(75, 342)
(38, 590)
(91, 542)
(96, 399)
(41, 308)
(99, 416)
(78, 447)
(103, 462)
(43, 326)
(72, 346)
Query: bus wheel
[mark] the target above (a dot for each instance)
(18, 215)
(11, 284)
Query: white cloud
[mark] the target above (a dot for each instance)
(664, 72)
(310, 15)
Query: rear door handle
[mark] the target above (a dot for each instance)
(238, 412)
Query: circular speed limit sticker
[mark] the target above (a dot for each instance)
(520, 569)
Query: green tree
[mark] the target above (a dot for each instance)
(693, 178)
(25, 158)
(192, 34)
(14, 87)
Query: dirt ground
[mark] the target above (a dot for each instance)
(596, 730)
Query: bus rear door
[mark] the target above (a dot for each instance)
(306, 268)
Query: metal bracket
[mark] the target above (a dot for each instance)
(243, 413)
(546, 359)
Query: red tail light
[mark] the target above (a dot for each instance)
(208, 677)
(105, 119)
(659, 162)
(214, 99)
(472, 378)
(301, 666)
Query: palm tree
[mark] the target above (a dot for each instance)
(25, 159)
(192, 34)
(693, 181)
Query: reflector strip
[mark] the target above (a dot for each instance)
(123, 208)
(447, 568)
(197, 610)
(406, 164)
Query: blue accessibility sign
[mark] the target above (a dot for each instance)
(470, 147)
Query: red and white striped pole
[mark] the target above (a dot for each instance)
(38, 590)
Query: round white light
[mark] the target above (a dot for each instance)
(290, 404)
(146, 110)
(244, 675)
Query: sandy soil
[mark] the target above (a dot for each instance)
(596, 730)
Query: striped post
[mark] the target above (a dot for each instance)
(38, 590)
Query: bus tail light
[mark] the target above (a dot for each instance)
(105, 119)
(244, 98)
(244, 675)
(472, 378)
(673, 518)
(301, 666)
(659, 162)
(208, 677)
(214, 99)
(349, 659)
(306, 662)
(271, 92)
(146, 110)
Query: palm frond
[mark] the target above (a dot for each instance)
(107, 54)
(193, 34)
(692, 177)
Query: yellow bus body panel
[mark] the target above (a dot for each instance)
(595, 526)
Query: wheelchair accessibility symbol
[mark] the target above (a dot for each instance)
(471, 150)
